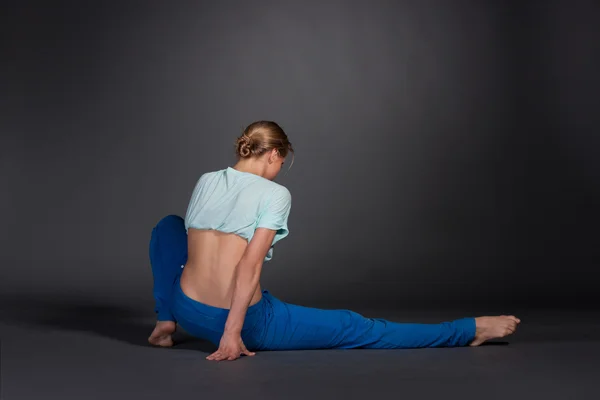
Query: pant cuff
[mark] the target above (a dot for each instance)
(466, 327)
(164, 315)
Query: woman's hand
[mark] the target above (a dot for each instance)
(230, 348)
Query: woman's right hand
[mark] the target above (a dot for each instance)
(230, 348)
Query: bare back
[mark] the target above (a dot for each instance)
(208, 273)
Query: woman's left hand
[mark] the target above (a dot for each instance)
(231, 347)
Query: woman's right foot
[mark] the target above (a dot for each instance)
(487, 328)
(161, 336)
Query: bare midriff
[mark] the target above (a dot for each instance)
(208, 274)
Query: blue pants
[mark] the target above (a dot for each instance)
(272, 324)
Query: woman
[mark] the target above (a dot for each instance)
(207, 269)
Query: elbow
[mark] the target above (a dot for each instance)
(248, 272)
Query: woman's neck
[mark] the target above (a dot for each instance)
(250, 166)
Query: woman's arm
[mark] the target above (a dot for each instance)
(246, 278)
(273, 221)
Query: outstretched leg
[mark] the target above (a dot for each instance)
(294, 327)
(168, 254)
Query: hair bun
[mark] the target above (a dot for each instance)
(260, 137)
(244, 146)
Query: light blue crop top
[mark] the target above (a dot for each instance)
(233, 201)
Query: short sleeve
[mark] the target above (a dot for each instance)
(276, 213)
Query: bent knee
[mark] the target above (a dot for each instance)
(170, 222)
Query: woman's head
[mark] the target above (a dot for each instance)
(264, 145)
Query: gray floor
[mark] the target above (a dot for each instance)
(85, 351)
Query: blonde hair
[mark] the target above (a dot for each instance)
(260, 137)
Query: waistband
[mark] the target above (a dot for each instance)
(218, 311)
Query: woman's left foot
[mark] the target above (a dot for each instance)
(161, 336)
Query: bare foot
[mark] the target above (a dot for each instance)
(161, 336)
(487, 328)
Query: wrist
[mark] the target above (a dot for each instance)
(232, 332)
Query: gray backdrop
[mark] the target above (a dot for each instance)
(446, 152)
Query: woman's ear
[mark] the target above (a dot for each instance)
(273, 156)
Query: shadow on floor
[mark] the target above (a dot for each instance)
(114, 322)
